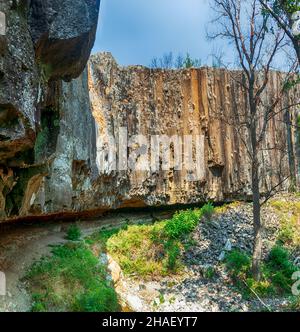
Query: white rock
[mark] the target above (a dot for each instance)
(221, 256)
(135, 303)
(228, 246)
(103, 259)
(114, 269)
(297, 261)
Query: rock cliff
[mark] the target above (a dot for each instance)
(194, 102)
(42, 43)
(63, 137)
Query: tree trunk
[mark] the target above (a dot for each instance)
(257, 245)
(291, 154)
(296, 43)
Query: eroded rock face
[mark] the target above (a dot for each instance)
(69, 171)
(42, 43)
(191, 102)
(19, 83)
(107, 98)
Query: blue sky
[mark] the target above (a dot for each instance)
(135, 31)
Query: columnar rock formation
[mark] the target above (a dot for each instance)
(189, 102)
(55, 128)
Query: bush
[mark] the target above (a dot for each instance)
(182, 224)
(73, 233)
(207, 211)
(289, 233)
(276, 272)
(278, 257)
(238, 263)
(209, 273)
(279, 269)
(103, 299)
(71, 280)
(262, 288)
(173, 253)
(138, 250)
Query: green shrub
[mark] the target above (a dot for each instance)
(295, 304)
(103, 299)
(289, 233)
(276, 272)
(288, 212)
(237, 262)
(209, 273)
(262, 288)
(138, 249)
(278, 257)
(207, 211)
(173, 252)
(73, 233)
(59, 281)
(38, 305)
(182, 224)
(279, 269)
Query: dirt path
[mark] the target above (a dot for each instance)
(21, 245)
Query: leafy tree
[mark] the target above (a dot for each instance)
(282, 11)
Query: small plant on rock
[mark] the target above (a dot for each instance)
(73, 233)
(238, 263)
(207, 211)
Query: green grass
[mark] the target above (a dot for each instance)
(134, 249)
(209, 273)
(289, 214)
(207, 211)
(73, 233)
(279, 269)
(277, 273)
(152, 251)
(71, 279)
(182, 223)
(238, 263)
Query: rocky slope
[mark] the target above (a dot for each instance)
(206, 284)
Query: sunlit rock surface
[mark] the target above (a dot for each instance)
(185, 102)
